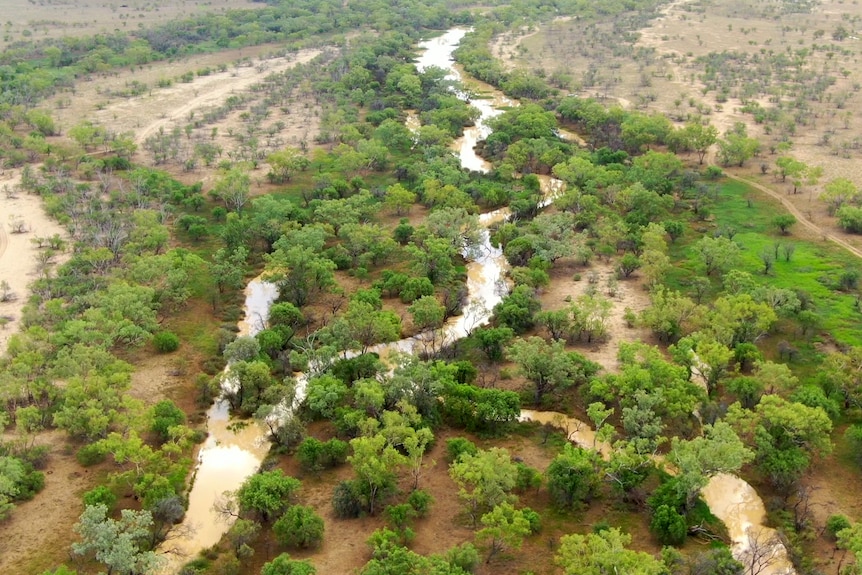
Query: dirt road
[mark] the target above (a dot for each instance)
(797, 213)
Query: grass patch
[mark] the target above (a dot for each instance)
(814, 267)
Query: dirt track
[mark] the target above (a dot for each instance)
(797, 213)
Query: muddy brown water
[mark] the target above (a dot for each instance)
(230, 455)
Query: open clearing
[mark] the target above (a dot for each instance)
(39, 19)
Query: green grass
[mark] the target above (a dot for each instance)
(815, 266)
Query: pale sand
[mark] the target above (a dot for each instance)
(18, 264)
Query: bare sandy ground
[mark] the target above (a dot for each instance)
(162, 107)
(37, 535)
(18, 263)
(629, 294)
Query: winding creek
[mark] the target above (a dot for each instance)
(232, 453)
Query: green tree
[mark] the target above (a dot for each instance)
(737, 148)
(700, 137)
(736, 319)
(775, 377)
(484, 479)
(233, 189)
(284, 565)
(572, 477)
(838, 192)
(415, 444)
(241, 535)
(784, 222)
(299, 271)
(604, 553)
(399, 199)
(517, 310)
(505, 528)
(640, 131)
(674, 229)
(670, 314)
(227, 268)
(492, 341)
(376, 464)
(713, 361)
(433, 259)
(851, 540)
(324, 396)
(717, 254)
(719, 450)
(362, 326)
(284, 164)
(299, 527)
(92, 405)
(785, 435)
(427, 312)
(119, 544)
(549, 366)
(165, 415)
(267, 494)
(12, 474)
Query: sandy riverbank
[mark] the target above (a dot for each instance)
(18, 254)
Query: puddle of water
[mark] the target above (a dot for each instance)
(737, 504)
(259, 296)
(729, 497)
(232, 452)
(577, 431)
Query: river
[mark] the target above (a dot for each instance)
(230, 455)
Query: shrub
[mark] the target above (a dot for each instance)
(420, 500)
(836, 523)
(850, 218)
(458, 446)
(284, 565)
(346, 500)
(309, 453)
(713, 172)
(315, 455)
(299, 527)
(403, 232)
(848, 280)
(414, 288)
(527, 478)
(166, 342)
(534, 518)
(334, 452)
(464, 556)
(668, 526)
(100, 495)
(90, 454)
(166, 415)
(400, 516)
(853, 435)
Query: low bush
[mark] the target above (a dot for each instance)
(166, 342)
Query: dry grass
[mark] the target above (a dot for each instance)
(39, 19)
(666, 78)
